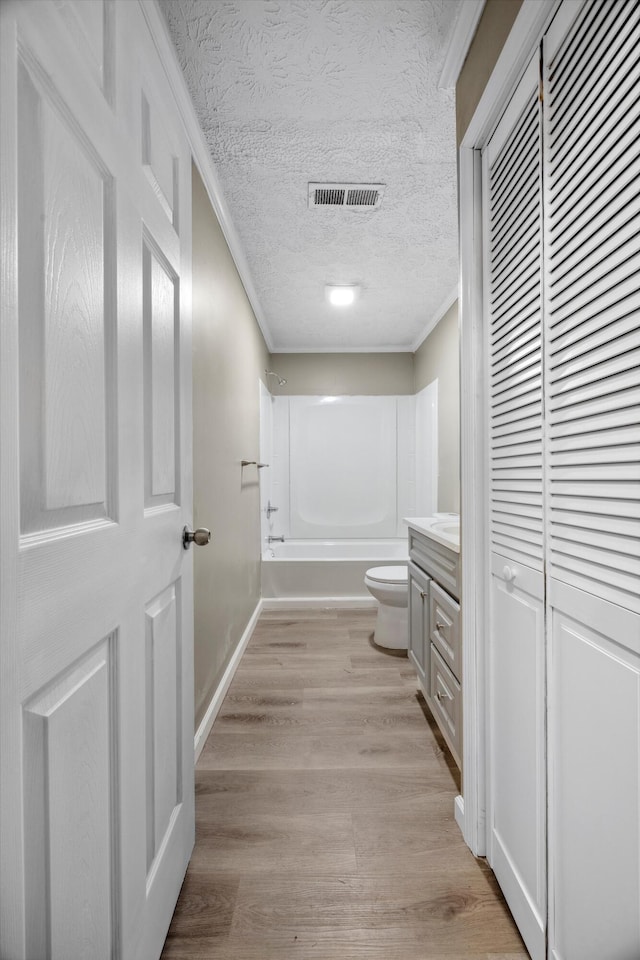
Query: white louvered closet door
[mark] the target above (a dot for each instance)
(512, 169)
(592, 310)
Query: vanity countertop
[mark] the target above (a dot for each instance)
(445, 530)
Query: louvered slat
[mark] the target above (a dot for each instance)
(609, 63)
(626, 526)
(525, 327)
(513, 171)
(622, 510)
(601, 161)
(595, 22)
(623, 315)
(592, 303)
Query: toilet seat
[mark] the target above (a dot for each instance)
(388, 574)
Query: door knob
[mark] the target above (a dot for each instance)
(508, 573)
(200, 537)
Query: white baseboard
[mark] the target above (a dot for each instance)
(206, 723)
(298, 603)
(458, 810)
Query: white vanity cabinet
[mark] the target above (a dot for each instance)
(434, 625)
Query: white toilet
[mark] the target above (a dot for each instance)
(390, 587)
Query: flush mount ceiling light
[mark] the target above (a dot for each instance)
(341, 295)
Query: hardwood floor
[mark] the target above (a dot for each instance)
(324, 813)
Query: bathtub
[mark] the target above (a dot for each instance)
(326, 570)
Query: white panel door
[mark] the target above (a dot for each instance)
(592, 303)
(512, 166)
(96, 702)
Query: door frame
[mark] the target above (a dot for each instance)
(526, 33)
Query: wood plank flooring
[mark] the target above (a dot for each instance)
(324, 813)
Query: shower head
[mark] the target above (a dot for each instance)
(281, 380)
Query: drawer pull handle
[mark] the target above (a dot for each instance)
(439, 696)
(440, 626)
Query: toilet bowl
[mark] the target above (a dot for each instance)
(389, 585)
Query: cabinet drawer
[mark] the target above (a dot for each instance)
(437, 560)
(444, 619)
(446, 703)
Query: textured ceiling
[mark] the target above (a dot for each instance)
(292, 91)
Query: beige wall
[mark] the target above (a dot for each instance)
(438, 358)
(493, 29)
(342, 374)
(229, 355)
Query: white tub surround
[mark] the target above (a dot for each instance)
(345, 468)
(343, 475)
(326, 570)
(426, 466)
(342, 467)
(268, 517)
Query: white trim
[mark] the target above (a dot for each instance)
(215, 703)
(473, 492)
(532, 19)
(463, 32)
(525, 34)
(317, 603)
(458, 812)
(168, 57)
(444, 307)
(340, 348)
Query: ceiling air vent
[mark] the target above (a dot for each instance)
(353, 196)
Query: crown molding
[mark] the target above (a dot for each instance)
(340, 348)
(465, 27)
(446, 305)
(201, 156)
